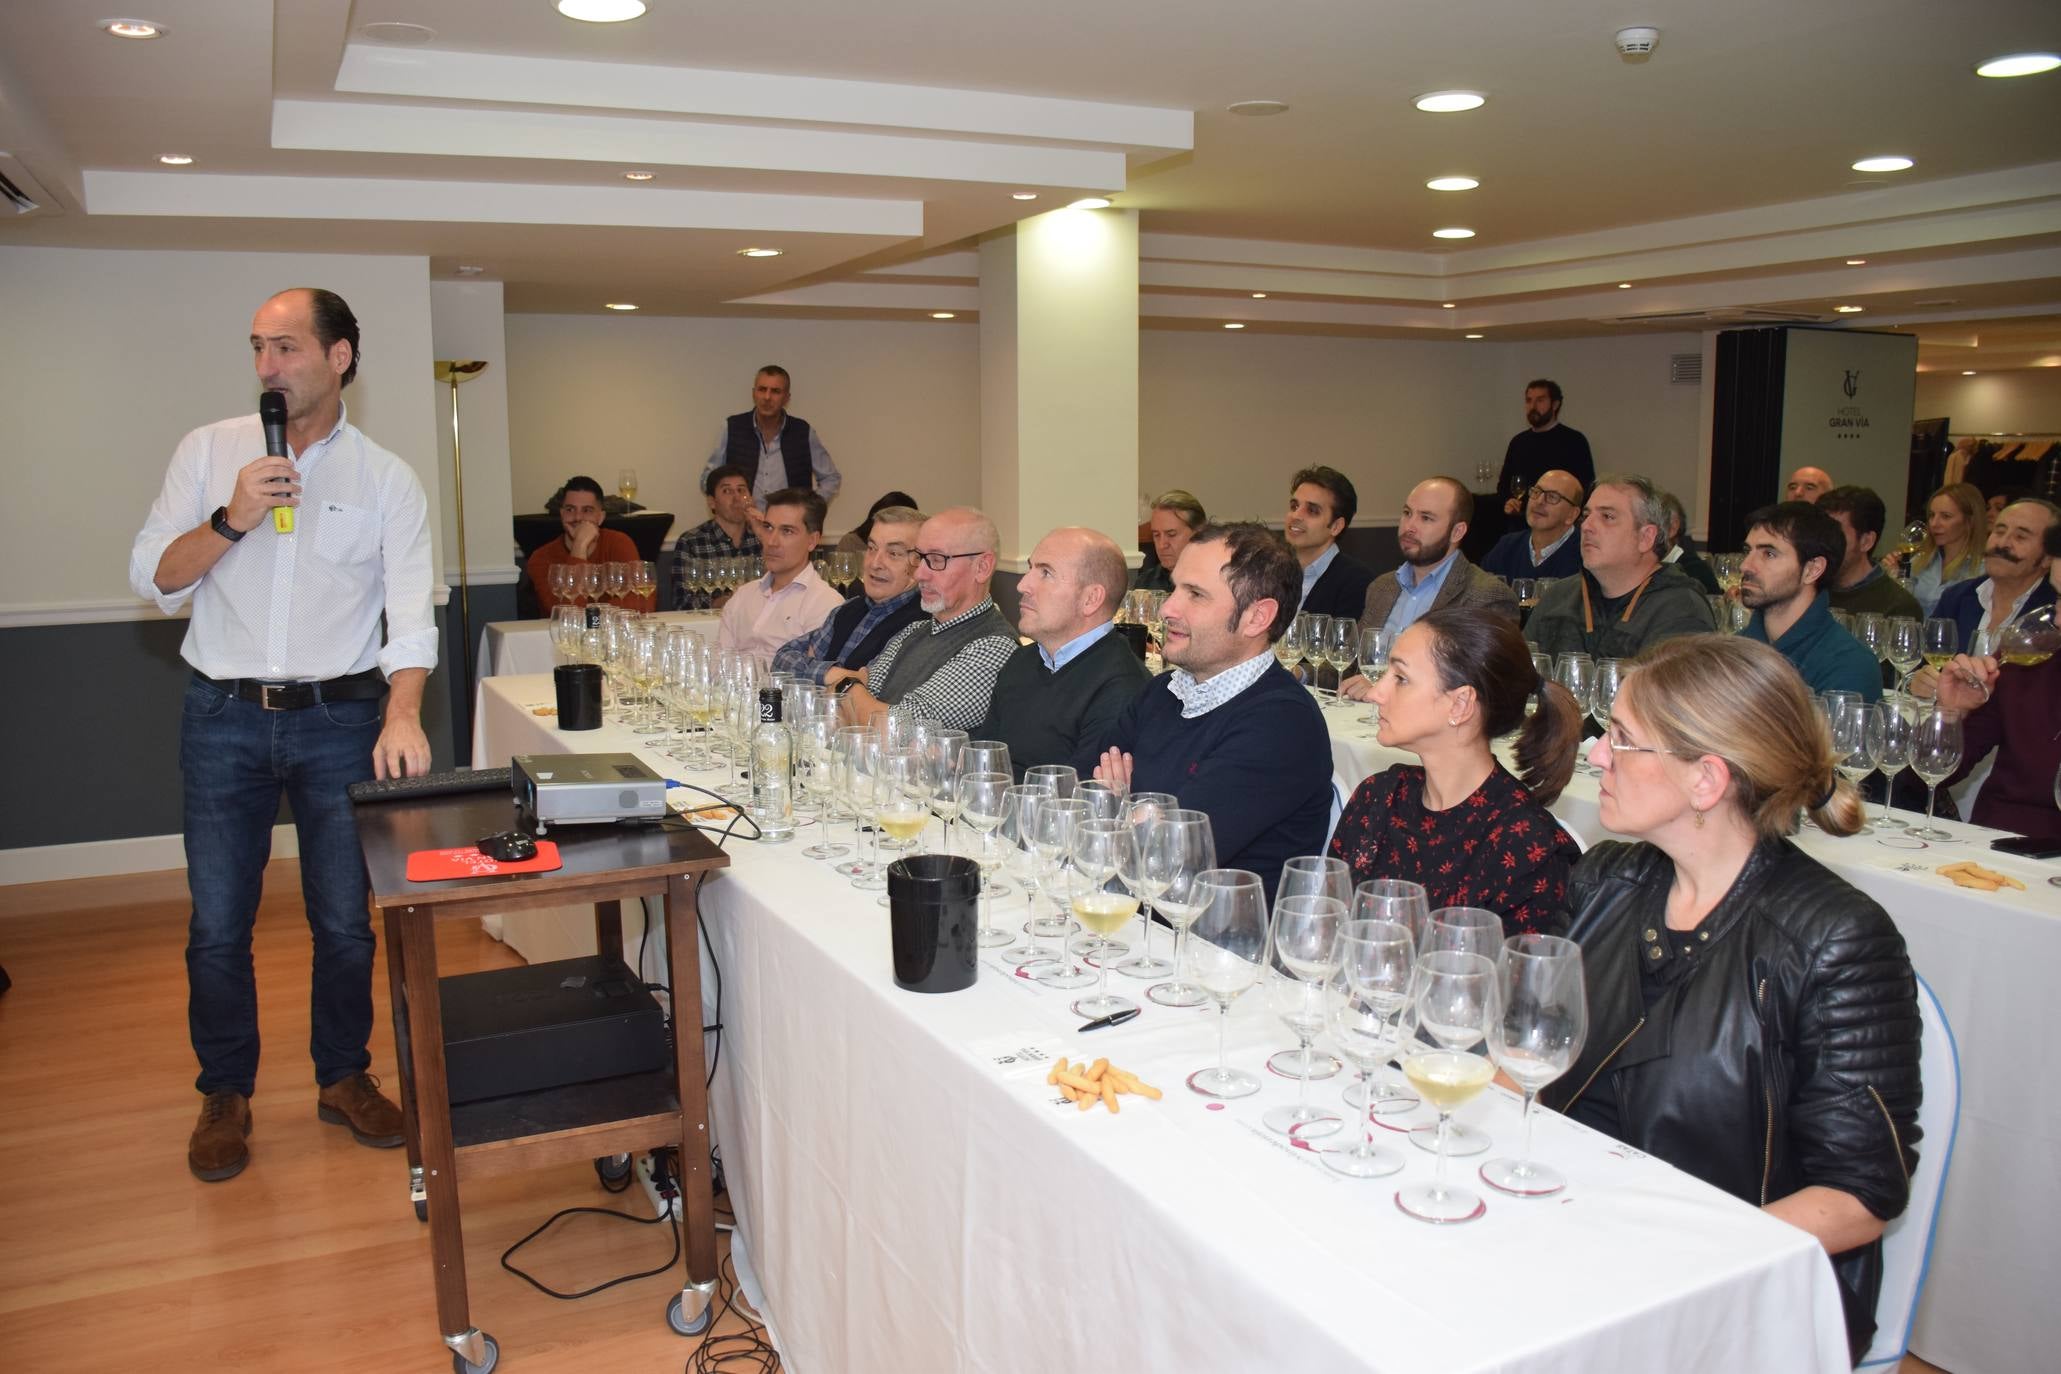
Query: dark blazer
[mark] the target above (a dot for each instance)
(1342, 590)
(1958, 604)
(1465, 585)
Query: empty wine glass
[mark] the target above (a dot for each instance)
(1058, 776)
(1018, 833)
(1225, 957)
(1856, 739)
(984, 798)
(1179, 846)
(1903, 647)
(1365, 1002)
(1542, 1022)
(1059, 821)
(1101, 852)
(1301, 957)
(1407, 904)
(1140, 808)
(986, 756)
(559, 583)
(1602, 695)
(1577, 673)
(942, 750)
(1315, 875)
(1341, 645)
(1376, 643)
(1454, 1006)
(1935, 754)
(1898, 716)
(1869, 628)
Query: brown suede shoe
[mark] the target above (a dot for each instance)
(356, 1102)
(217, 1149)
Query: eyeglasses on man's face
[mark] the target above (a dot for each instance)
(1549, 498)
(938, 562)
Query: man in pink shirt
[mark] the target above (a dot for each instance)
(792, 598)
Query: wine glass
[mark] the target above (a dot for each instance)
(1455, 1005)
(942, 751)
(626, 484)
(1935, 754)
(1856, 742)
(815, 742)
(1602, 695)
(904, 808)
(1469, 930)
(1140, 808)
(1543, 1020)
(1018, 833)
(1366, 998)
(1407, 905)
(984, 798)
(1225, 957)
(1577, 673)
(1315, 875)
(643, 577)
(2030, 640)
(558, 583)
(1942, 640)
(1904, 647)
(589, 582)
(1869, 628)
(566, 628)
(1101, 853)
(618, 581)
(859, 751)
(1058, 822)
(1178, 847)
(1339, 647)
(1898, 715)
(1526, 590)
(1288, 648)
(1301, 957)
(1104, 800)
(1376, 643)
(1061, 778)
(986, 756)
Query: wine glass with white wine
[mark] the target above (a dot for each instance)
(1456, 1003)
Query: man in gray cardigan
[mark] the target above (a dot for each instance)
(1435, 574)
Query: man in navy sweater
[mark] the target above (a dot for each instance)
(1228, 731)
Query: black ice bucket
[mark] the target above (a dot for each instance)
(933, 908)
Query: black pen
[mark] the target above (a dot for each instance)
(1114, 1019)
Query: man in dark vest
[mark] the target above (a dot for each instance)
(778, 450)
(943, 667)
(858, 630)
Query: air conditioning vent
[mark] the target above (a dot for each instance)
(1724, 314)
(1685, 369)
(19, 191)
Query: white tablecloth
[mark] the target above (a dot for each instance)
(914, 1198)
(1991, 959)
(524, 646)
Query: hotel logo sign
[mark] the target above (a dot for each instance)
(1849, 421)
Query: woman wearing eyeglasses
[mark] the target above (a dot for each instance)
(1753, 1020)
(1457, 821)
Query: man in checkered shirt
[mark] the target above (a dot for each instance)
(729, 532)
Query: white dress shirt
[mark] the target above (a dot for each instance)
(306, 606)
(759, 620)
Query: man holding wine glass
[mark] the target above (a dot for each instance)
(2014, 561)
(1791, 550)
(581, 542)
(1546, 547)
(1858, 584)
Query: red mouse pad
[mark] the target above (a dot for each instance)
(436, 865)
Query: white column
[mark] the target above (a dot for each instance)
(466, 325)
(1059, 377)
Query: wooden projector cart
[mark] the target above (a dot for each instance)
(617, 1116)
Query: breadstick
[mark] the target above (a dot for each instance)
(1088, 1099)
(1078, 1083)
(1096, 1070)
(1057, 1069)
(1109, 1096)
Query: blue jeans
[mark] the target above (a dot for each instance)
(235, 757)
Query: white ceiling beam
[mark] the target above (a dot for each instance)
(869, 295)
(441, 74)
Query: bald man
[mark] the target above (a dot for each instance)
(1808, 484)
(1546, 547)
(1060, 694)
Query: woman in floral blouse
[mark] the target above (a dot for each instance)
(1459, 823)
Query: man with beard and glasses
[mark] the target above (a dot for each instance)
(1434, 574)
(1543, 445)
(1547, 546)
(1791, 550)
(1321, 506)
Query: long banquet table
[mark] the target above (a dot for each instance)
(912, 1196)
(524, 646)
(1991, 959)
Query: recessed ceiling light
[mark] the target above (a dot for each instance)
(1447, 305)
(1023, 195)
(600, 11)
(1624, 286)
(1848, 309)
(619, 305)
(638, 176)
(1450, 102)
(469, 270)
(1856, 262)
(1234, 325)
(1258, 109)
(760, 252)
(1259, 295)
(1967, 374)
(132, 28)
(396, 31)
(1452, 184)
(1090, 203)
(2019, 64)
(175, 159)
(1891, 163)
(1475, 336)
(1452, 233)
(943, 315)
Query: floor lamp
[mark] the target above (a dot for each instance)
(455, 373)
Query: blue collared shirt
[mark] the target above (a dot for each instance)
(1418, 590)
(1316, 570)
(1074, 648)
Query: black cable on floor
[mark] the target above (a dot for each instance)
(664, 1215)
(732, 1352)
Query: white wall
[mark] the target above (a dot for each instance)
(107, 357)
(898, 404)
(2026, 401)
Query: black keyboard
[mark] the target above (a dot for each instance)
(450, 782)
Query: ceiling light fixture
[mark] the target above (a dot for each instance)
(1447, 305)
(1967, 374)
(943, 315)
(1476, 336)
(1257, 109)
(618, 305)
(1450, 102)
(1234, 325)
(1452, 233)
(1890, 163)
(132, 28)
(1624, 286)
(1090, 203)
(1259, 295)
(1023, 195)
(1451, 184)
(1856, 262)
(2020, 64)
(639, 176)
(1848, 309)
(600, 11)
(175, 159)
(760, 252)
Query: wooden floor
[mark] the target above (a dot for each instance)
(113, 1256)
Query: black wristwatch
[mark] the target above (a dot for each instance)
(219, 523)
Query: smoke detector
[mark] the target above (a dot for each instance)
(1636, 44)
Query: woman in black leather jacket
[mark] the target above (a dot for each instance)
(1753, 1019)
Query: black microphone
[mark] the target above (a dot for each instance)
(272, 415)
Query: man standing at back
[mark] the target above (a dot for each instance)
(1626, 598)
(288, 674)
(1543, 445)
(1060, 695)
(775, 449)
(1321, 506)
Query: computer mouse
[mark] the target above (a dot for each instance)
(509, 847)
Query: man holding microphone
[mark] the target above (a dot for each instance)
(290, 561)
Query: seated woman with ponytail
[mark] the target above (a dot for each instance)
(1459, 823)
(1753, 1020)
